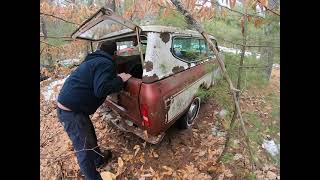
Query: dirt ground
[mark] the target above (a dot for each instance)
(182, 154)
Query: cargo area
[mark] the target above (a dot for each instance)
(128, 57)
(128, 60)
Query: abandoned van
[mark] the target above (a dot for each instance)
(168, 65)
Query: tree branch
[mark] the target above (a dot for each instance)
(236, 10)
(51, 45)
(190, 20)
(45, 14)
(276, 13)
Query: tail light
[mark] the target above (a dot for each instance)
(144, 114)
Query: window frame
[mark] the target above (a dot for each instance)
(188, 37)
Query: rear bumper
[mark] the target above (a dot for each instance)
(121, 123)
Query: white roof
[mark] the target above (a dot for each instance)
(157, 28)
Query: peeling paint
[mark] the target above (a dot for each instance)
(152, 78)
(148, 65)
(177, 69)
(161, 57)
(165, 37)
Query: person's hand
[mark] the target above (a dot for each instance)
(124, 76)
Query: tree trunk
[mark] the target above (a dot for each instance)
(190, 20)
(43, 27)
(270, 58)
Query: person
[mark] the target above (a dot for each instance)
(80, 96)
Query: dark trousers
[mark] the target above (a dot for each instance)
(82, 134)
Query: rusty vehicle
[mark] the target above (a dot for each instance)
(168, 65)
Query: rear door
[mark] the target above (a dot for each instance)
(101, 24)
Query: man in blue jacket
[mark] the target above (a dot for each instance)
(81, 95)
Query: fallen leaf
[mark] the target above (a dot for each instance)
(168, 172)
(144, 144)
(271, 175)
(106, 175)
(137, 148)
(227, 173)
(237, 157)
(151, 170)
(146, 175)
(155, 155)
(202, 153)
(120, 166)
(127, 157)
(145, 133)
(142, 159)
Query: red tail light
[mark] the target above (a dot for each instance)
(144, 114)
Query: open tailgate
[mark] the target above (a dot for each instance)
(102, 23)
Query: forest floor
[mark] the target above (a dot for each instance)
(182, 154)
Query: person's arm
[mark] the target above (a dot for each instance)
(106, 80)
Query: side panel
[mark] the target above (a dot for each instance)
(181, 100)
(168, 98)
(159, 61)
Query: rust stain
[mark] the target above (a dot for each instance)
(165, 36)
(152, 78)
(148, 65)
(177, 69)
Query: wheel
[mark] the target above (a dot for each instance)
(188, 118)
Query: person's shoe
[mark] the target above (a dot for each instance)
(107, 155)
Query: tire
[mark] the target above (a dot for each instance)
(187, 119)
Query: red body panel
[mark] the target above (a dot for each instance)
(155, 94)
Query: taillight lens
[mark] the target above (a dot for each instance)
(144, 114)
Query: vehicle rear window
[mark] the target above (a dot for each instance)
(189, 49)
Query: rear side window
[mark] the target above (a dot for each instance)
(189, 49)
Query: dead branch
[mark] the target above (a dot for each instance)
(251, 15)
(56, 37)
(60, 157)
(254, 67)
(190, 20)
(50, 137)
(45, 14)
(41, 51)
(51, 45)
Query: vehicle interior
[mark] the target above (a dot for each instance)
(128, 57)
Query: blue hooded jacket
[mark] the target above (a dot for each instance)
(88, 86)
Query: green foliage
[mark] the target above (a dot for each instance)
(227, 157)
(59, 29)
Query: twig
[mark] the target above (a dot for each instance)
(57, 37)
(45, 14)
(253, 66)
(216, 2)
(68, 154)
(278, 14)
(50, 137)
(50, 45)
